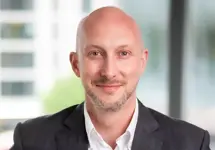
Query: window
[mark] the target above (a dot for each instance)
(16, 30)
(16, 60)
(16, 5)
(154, 27)
(199, 69)
(86, 6)
(55, 5)
(17, 88)
(55, 31)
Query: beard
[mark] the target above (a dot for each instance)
(105, 105)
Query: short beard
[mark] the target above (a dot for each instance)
(113, 107)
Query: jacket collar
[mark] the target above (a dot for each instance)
(74, 135)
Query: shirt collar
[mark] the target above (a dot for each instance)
(88, 123)
(131, 128)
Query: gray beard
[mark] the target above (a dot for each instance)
(113, 107)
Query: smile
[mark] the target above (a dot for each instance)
(109, 88)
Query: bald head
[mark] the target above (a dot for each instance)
(111, 14)
(103, 17)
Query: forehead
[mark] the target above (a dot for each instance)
(109, 35)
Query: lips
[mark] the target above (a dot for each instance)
(109, 88)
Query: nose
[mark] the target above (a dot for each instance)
(109, 69)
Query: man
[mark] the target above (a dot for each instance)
(110, 58)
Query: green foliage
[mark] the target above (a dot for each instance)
(65, 93)
(211, 41)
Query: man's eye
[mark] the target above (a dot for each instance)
(124, 53)
(94, 53)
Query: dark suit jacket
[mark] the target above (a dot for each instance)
(66, 131)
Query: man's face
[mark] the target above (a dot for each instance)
(110, 64)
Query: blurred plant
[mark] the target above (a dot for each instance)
(211, 49)
(65, 92)
(210, 35)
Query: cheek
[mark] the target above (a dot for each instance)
(90, 69)
(130, 68)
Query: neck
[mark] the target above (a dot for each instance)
(112, 125)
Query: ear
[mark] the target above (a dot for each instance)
(144, 58)
(74, 63)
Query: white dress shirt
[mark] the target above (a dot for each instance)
(124, 142)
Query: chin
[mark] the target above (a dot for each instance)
(110, 98)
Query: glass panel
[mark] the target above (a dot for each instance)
(86, 6)
(16, 30)
(199, 65)
(18, 88)
(16, 5)
(154, 27)
(55, 5)
(16, 60)
(213, 145)
(55, 31)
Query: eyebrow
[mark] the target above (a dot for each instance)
(94, 46)
(101, 48)
(122, 46)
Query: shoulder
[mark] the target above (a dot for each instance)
(181, 131)
(44, 125)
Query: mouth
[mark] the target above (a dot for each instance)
(109, 88)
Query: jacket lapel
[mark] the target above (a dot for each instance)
(73, 136)
(147, 133)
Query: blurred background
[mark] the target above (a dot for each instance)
(36, 37)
